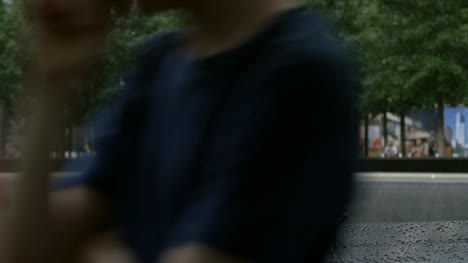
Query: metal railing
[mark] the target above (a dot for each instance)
(423, 165)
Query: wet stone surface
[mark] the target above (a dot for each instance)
(437, 242)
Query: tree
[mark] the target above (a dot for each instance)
(412, 51)
(10, 62)
(104, 79)
(10, 70)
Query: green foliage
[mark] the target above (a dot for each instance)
(104, 79)
(412, 51)
(10, 69)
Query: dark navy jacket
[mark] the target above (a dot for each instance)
(249, 152)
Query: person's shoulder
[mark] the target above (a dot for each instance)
(306, 37)
(148, 56)
(301, 48)
(157, 44)
(304, 48)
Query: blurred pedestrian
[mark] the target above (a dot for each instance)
(419, 150)
(432, 149)
(11, 151)
(221, 121)
(87, 151)
(391, 150)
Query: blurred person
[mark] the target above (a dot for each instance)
(391, 150)
(432, 149)
(221, 118)
(87, 151)
(377, 143)
(427, 148)
(418, 150)
(11, 151)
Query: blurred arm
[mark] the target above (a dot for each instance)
(45, 227)
(197, 253)
(272, 192)
(76, 216)
(66, 38)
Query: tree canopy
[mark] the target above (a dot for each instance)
(104, 80)
(413, 51)
(410, 52)
(10, 69)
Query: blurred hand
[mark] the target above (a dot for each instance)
(107, 249)
(68, 35)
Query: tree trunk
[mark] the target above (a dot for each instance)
(403, 134)
(62, 142)
(4, 123)
(440, 128)
(68, 133)
(366, 135)
(385, 128)
(62, 145)
(68, 140)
